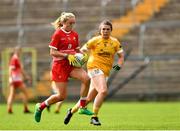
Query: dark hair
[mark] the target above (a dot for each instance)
(105, 22)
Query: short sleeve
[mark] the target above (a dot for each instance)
(54, 41)
(119, 48)
(15, 63)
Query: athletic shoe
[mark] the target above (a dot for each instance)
(48, 108)
(68, 116)
(27, 112)
(85, 111)
(95, 121)
(10, 111)
(37, 113)
(56, 112)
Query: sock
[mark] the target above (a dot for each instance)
(43, 105)
(95, 111)
(83, 102)
(46, 103)
(74, 109)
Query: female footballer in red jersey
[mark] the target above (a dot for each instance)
(16, 75)
(102, 50)
(64, 44)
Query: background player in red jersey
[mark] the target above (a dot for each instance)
(16, 76)
(64, 44)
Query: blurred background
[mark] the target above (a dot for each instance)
(149, 31)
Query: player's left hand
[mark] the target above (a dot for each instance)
(85, 57)
(117, 67)
(72, 59)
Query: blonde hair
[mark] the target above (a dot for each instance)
(62, 18)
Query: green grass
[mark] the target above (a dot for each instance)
(113, 116)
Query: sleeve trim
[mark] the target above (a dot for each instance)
(52, 47)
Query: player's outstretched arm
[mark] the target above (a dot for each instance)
(118, 66)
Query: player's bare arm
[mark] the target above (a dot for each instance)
(121, 58)
(56, 53)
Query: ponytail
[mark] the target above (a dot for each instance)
(61, 19)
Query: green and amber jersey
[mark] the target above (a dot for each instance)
(102, 53)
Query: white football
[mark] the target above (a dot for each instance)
(79, 57)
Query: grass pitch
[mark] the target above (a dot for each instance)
(113, 116)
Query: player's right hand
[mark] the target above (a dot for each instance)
(72, 60)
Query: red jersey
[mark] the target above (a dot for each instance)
(63, 41)
(15, 66)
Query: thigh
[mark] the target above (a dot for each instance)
(54, 88)
(79, 73)
(23, 88)
(12, 90)
(99, 83)
(98, 79)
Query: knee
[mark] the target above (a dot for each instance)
(60, 97)
(9, 101)
(104, 92)
(86, 79)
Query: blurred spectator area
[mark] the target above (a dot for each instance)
(154, 34)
